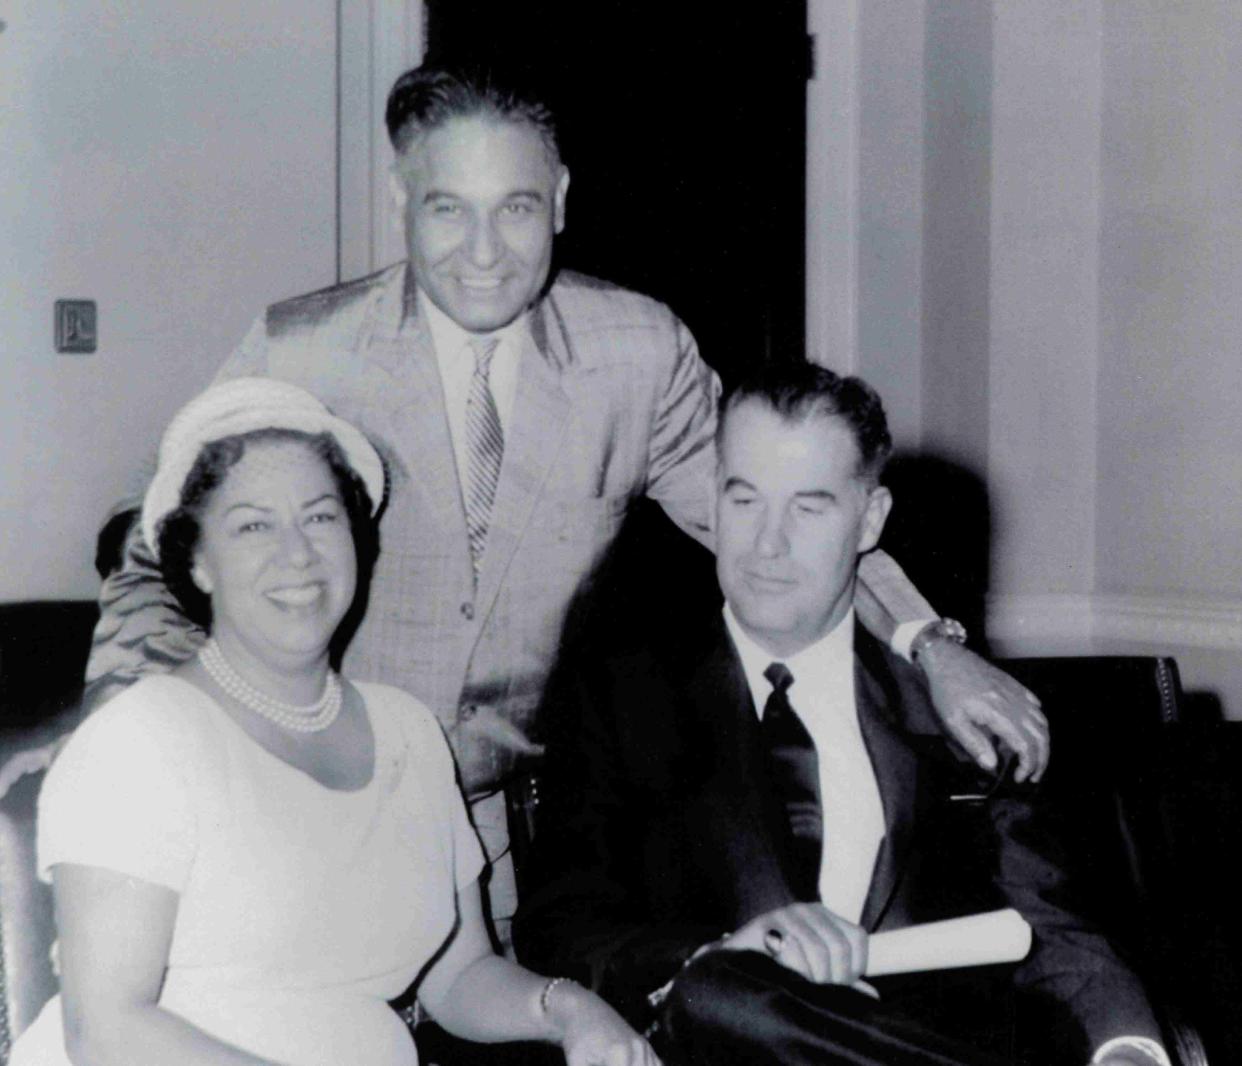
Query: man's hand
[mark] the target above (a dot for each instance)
(977, 702)
(809, 939)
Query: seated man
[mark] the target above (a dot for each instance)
(737, 807)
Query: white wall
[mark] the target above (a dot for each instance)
(1043, 294)
(1073, 202)
(176, 162)
(1171, 279)
(1151, 184)
(957, 140)
(1170, 452)
(890, 208)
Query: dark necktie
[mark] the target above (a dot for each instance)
(486, 445)
(794, 770)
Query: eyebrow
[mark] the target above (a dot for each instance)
(244, 506)
(435, 195)
(736, 482)
(335, 497)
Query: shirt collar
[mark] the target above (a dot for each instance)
(833, 652)
(448, 337)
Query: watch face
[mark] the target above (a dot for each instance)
(953, 629)
(946, 628)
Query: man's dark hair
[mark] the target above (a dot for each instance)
(180, 531)
(802, 391)
(425, 98)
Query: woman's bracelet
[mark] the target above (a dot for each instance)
(545, 997)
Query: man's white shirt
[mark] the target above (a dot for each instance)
(822, 696)
(455, 361)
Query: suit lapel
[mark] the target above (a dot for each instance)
(400, 342)
(896, 769)
(738, 819)
(541, 412)
(735, 817)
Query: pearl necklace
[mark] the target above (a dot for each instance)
(309, 719)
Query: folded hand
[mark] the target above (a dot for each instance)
(808, 938)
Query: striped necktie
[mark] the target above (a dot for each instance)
(486, 445)
(793, 767)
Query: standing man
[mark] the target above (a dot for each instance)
(736, 808)
(518, 415)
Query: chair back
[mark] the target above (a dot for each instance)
(43, 650)
(1114, 721)
(27, 928)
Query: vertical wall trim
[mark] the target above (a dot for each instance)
(377, 40)
(336, 173)
(957, 218)
(832, 187)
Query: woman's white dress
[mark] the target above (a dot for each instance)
(302, 909)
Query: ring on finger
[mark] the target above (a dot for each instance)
(773, 942)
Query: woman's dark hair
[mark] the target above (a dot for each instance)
(179, 532)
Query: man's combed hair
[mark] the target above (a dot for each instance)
(425, 98)
(801, 391)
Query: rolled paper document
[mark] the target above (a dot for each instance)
(975, 940)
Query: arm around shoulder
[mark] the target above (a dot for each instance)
(142, 628)
(681, 460)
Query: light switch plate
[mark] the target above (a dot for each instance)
(76, 324)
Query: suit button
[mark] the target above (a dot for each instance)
(467, 611)
(467, 711)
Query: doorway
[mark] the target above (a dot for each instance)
(684, 128)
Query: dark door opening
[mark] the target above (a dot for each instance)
(684, 129)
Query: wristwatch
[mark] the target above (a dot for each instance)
(943, 628)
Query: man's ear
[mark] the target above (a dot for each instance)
(558, 200)
(879, 503)
(399, 195)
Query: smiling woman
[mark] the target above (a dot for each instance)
(251, 856)
(275, 549)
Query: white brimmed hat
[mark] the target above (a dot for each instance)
(244, 405)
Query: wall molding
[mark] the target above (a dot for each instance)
(832, 116)
(1056, 620)
(377, 41)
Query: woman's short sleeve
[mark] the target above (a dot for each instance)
(119, 795)
(424, 736)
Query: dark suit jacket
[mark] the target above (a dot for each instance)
(657, 834)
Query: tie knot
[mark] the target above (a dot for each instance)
(484, 348)
(779, 677)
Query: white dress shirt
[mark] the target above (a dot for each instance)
(455, 360)
(822, 696)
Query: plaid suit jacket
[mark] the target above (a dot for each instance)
(613, 401)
